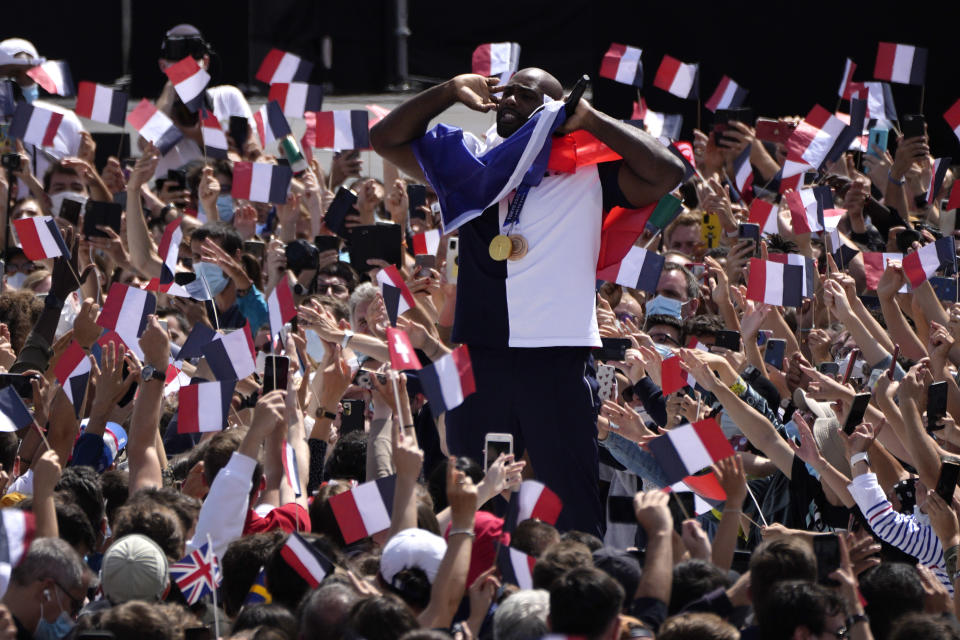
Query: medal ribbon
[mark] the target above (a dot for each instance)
(513, 214)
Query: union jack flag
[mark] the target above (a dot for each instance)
(198, 574)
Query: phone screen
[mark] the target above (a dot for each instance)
(417, 197)
(948, 479)
(827, 550)
(352, 418)
(728, 339)
(275, 369)
(612, 349)
(20, 383)
(495, 447)
(857, 409)
(936, 405)
(620, 509)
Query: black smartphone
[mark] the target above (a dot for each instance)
(857, 409)
(829, 368)
(178, 177)
(423, 264)
(10, 161)
(21, 384)
(70, 211)
(275, 370)
(906, 238)
(255, 248)
(336, 215)
(570, 104)
(352, 418)
(750, 231)
(620, 509)
(826, 548)
(906, 492)
(101, 214)
(737, 114)
(728, 339)
(238, 129)
(775, 351)
(682, 507)
(381, 241)
(612, 349)
(416, 197)
(936, 405)
(949, 471)
(326, 243)
(912, 125)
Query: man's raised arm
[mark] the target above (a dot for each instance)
(391, 137)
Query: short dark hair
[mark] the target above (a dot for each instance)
(773, 561)
(533, 537)
(693, 288)
(157, 522)
(794, 603)
(924, 626)
(706, 324)
(584, 602)
(343, 270)
(73, 524)
(348, 460)
(241, 563)
(266, 615)
(381, 618)
(589, 540)
(323, 613)
(664, 319)
(693, 579)
(283, 582)
(220, 448)
(892, 589)
(221, 233)
(116, 489)
(697, 626)
(559, 558)
(55, 168)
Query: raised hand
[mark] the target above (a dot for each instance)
(477, 92)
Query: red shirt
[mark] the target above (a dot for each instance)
(290, 517)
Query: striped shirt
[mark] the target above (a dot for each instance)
(900, 530)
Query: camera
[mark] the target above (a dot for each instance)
(10, 161)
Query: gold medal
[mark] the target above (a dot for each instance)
(500, 248)
(518, 247)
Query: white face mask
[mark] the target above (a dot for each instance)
(56, 200)
(16, 280)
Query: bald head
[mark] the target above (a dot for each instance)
(548, 85)
(523, 94)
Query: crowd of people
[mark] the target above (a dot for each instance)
(819, 493)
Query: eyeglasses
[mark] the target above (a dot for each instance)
(75, 605)
(24, 267)
(333, 287)
(663, 338)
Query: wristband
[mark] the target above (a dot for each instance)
(347, 334)
(739, 387)
(859, 457)
(899, 182)
(468, 532)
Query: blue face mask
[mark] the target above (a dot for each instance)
(663, 350)
(55, 630)
(663, 306)
(30, 93)
(225, 207)
(213, 275)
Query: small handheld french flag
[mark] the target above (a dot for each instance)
(673, 378)
(639, 269)
(952, 116)
(847, 85)
(281, 307)
(231, 357)
(764, 214)
(14, 415)
(622, 64)
(500, 59)
(309, 563)
(125, 311)
(426, 243)
(204, 406)
(214, 139)
(902, 63)
(940, 168)
(396, 294)
(296, 98)
(687, 449)
(811, 141)
(169, 251)
(35, 125)
(516, 567)
(54, 76)
(365, 509)
(448, 381)
(101, 104)
(40, 238)
(189, 80)
(875, 263)
(798, 260)
(72, 372)
(804, 211)
(281, 66)
(678, 78)
(774, 283)
(532, 500)
(154, 126)
(402, 356)
(923, 263)
(727, 95)
(342, 130)
(261, 182)
(271, 125)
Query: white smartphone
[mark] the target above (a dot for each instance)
(495, 444)
(453, 258)
(607, 379)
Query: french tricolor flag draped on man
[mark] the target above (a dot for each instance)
(271, 125)
(774, 283)
(342, 129)
(533, 500)
(448, 381)
(35, 125)
(727, 95)
(296, 98)
(365, 509)
(73, 372)
(468, 178)
(40, 238)
(639, 269)
(154, 126)
(501, 59)
(261, 182)
(189, 80)
(54, 76)
(214, 139)
(923, 263)
(101, 104)
(231, 357)
(687, 449)
(204, 406)
(622, 63)
(679, 78)
(902, 63)
(282, 66)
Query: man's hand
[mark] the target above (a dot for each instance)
(462, 496)
(144, 169)
(732, 479)
(155, 343)
(407, 456)
(269, 411)
(861, 438)
(943, 519)
(652, 511)
(476, 91)
(46, 473)
(695, 540)
(85, 327)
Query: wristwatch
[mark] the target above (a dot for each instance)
(149, 373)
(323, 413)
